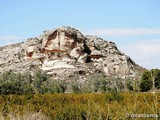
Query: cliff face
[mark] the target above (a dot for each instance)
(64, 53)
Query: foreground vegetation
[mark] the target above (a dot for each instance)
(40, 83)
(26, 96)
(111, 106)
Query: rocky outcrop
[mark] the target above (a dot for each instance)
(65, 53)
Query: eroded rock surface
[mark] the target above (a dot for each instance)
(65, 52)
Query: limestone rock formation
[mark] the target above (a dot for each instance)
(64, 53)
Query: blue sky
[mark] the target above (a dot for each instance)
(134, 25)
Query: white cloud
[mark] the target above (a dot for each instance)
(124, 31)
(151, 47)
(145, 53)
(10, 37)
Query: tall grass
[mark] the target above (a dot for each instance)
(93, 106)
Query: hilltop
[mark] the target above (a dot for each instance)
(66, 53)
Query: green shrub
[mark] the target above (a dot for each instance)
(148, 78)
(114, 95)
(146, 82)
(12, 83)
(75, 88)
(39, 77)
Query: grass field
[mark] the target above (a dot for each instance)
(111, 106)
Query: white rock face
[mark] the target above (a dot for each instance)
(55, 64)
(61, 64)
(66, 52)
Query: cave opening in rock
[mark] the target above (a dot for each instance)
(88, 59)
(82, 72)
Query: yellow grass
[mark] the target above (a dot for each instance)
(93, 106)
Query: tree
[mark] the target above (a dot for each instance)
(150, 79)
(102, 85)
(26, 83)
(15, 83)
(146, 82)
(98, 82)
(48, 87)
(156, 77)
(39, 77)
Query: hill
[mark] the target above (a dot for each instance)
(66, 53)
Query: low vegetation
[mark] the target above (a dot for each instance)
(40, 83)
(112, 106)
(38, 97)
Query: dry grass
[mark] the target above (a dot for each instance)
(78, 106)
(27, 116)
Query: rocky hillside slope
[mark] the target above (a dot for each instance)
(65, 53)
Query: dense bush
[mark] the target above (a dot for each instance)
(18, 83)
(147, 80)
(38, 78)
(53, 86)
(114, 95)
(133, 85)
(156, 73)
(12, 83)
(40, 82)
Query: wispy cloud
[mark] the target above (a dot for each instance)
(10, 37)
(151, 47)
(124, 31)
(146, 53)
